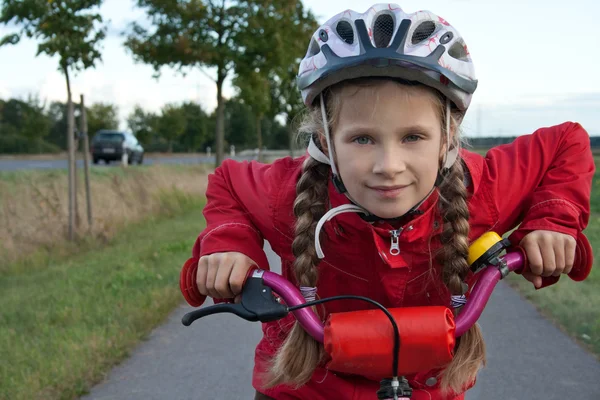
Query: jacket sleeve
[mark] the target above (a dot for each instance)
(542, 181)
(238, 212)
(238, 209)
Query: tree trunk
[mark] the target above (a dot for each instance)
(220, 137)
(259, 141)
(86, 163)
(75, 176)
(71, 148)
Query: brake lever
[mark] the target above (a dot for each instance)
(258, 304)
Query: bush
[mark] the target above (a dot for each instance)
(13, 144)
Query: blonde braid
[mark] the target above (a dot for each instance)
(300, 354)
(470, 352)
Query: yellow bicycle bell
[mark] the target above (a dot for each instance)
(485, 250)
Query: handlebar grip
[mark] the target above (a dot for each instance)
(187, 283)
(582, 264)
(584, 259)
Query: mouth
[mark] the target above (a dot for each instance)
(388, 191)
(384, 188)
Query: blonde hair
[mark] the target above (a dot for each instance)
(300, 354)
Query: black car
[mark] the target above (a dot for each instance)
(109, 145)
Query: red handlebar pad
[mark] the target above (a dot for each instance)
(361, 342)
(584, 259)
(582, 264)
(187, 283)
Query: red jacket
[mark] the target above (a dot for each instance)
(542, 181)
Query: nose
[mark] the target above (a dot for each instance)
(389, 162)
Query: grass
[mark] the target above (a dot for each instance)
(63, 327)
(34, 206)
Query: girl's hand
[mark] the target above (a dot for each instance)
(222, 275)
(549, 254)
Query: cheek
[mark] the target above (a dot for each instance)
(424, 163)
(349, 167)
(429, 169)
(351, 162)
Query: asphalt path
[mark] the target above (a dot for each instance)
(13, 164)
(528, 358)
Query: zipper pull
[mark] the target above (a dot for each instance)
(395, 247)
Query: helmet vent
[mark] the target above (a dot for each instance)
(344, 30)
(314, 48)
(458, 51)
(383, 29)
(423, 31)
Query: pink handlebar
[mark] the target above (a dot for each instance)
(469, 315)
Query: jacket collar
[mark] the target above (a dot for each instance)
(421, 224)
(415, 227)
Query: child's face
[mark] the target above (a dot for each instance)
(388, 146)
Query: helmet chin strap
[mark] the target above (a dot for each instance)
(450, 156)
(337, 180)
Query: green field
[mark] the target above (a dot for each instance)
(64, 326)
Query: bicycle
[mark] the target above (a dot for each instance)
(427, 334)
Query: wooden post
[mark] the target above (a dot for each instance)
(86, 161)
(71, 145)
(75, 177)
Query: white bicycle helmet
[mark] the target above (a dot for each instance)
(387, 42)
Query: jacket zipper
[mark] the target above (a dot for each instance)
(395, 243)
(395, 246)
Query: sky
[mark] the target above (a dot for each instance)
(537, 62)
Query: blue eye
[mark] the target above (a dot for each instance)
(412, 138)
(362, 140)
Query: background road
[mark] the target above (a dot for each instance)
(18, 164)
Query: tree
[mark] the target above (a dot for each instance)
(276, 137)
(28, 118)
(36, 124)
(142, 124)
(286, 98)
(64, 28)
(276, 37)
(172, 123)
(102, 116)
(254, 91)
(67, 29)
(287, 101)
(196, 131)
(239, 124)
(190, 34)
(57, 113)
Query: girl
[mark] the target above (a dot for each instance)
(386, 202)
